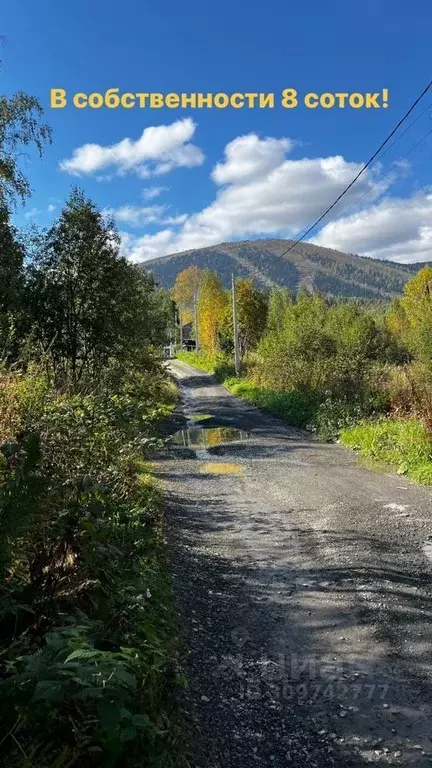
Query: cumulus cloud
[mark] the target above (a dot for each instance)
(394, 228)
(149, 193)
(261, 192)
(152, 245)
(32, 213)
(157, 151)
(248, 157)
(137, 216)
(174, 221)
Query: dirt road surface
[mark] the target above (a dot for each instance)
(304, 587)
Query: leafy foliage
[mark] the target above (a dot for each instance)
(20, 127)
(411, 316)
(88, 642)
(86, 551)
(87, 305)
(212, 301)
(251, 317)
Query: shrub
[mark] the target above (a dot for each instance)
(410, 391)
(87, 629)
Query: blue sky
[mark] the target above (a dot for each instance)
(206, 176)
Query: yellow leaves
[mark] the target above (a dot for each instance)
(186, 286)
(410, 317)
(419, 287)
(212, 302)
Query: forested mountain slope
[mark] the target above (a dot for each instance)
(321, 269)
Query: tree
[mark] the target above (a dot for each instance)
(411, 315)
(212, 301)
(185, 293)
(280, 299)
(11, 265)
(88, 304)
(186, 286)
(20, 126)
(252, 305)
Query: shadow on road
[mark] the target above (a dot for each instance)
(232, 619)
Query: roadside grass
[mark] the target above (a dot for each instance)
(298, 409)
(201, 361)
(295, 408)
(218, 365)
(401, 444)
(404, 444)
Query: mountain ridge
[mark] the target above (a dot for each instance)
(326, 270)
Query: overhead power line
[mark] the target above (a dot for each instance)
(360, 173)
(378, 181)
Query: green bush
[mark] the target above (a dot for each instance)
(409, 390)
(333, 415)
(88, 637)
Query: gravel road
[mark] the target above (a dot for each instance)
(304, 586)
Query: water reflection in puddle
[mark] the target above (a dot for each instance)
(220, 468)
(208, 438)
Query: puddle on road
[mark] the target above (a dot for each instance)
(203, 437)
(220, 468)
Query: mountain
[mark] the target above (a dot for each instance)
(321, 269)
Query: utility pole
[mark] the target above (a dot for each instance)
(180, 328)
(196, 321)
(236, 341)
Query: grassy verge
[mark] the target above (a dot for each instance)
(299, 409)
(404, 444)
(88, 649)
(294, 408)
(218, 365)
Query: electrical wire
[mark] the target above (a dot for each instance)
(360, 173)
(380, 180)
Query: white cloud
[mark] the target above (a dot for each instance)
(174, 221)
(153, 245)
(135, 215)
(395, 229)
(149, 193)
(248, 157)
(51, 208)
(263, 192)
(32, 213)
(139, 216)
(158, 150)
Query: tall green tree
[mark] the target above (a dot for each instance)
(279, 300)
(88, 304)
(11, 265)
(185, 294)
